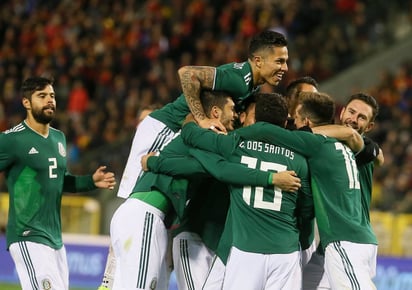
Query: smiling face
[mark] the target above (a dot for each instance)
(271, 65)
(358, 115)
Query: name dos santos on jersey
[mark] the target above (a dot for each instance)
(267, 148)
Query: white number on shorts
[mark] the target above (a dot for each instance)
(258, 202)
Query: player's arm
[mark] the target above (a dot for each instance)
(234, 173)
(193, 79)
(180, 166)
(345, 134)
(74, 183)
(370, 152)
(219, 168)
(82, 183)
(200, 138)
(7, 152)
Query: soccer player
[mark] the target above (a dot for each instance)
(267, 63)
(303, 84)
(360, 113)
(33, 157)
(347, 239)
(264, 220)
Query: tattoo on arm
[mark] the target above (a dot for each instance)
(192, 80)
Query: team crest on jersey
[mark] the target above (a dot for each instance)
(62, 151)
(46, 284)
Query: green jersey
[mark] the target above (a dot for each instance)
(207, 209)
(234, 78)
(263, 218)
(366, 164)
(35, 169)
(366, 167)
(335, 183)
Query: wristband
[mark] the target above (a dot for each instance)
(270, 178)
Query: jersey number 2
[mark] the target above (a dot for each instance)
(258, 202)
(52, 166)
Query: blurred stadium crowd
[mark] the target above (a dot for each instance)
(112, 59)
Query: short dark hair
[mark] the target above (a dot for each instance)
(295, 86)
(368, 99)
(266, 39)
(318, 107)
(271, 108)
(33, 84)
(243, 105)
(209, 98)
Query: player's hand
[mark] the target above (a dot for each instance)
(104, 179)
(286, 180)
(143, 160)
(212, 124)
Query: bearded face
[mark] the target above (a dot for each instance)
(45, 114)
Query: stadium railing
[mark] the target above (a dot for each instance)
(80, 214)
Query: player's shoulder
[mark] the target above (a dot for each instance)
(14, 131)
(56, 132)
(236, 67)
(13, 137)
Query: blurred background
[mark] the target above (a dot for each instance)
(114, 60)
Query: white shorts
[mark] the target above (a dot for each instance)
(246, 270)
(216, 275)
(151, 135)
(351, 265)
(191, 259)
(39, 266)
(139, 240)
